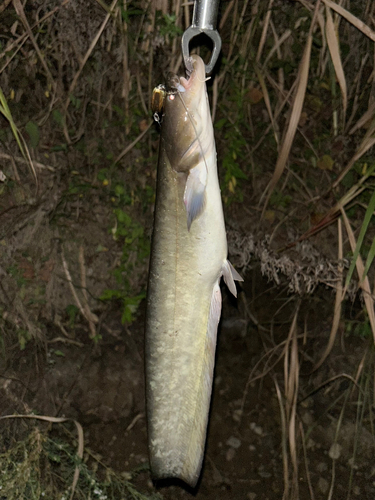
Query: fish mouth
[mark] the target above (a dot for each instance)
(198, 75)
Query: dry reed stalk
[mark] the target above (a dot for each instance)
(264, 31)
(187, 17)
(355, 93)
(21, 13)
(276, 114)
(359, 372)
(91, 318)
(132, 144)
(140, 92)
(365, 118)
(364, 283)
(244, 49)
(311, 491)
(295, 115)
(338, 300)
(267, 102)
(332, 453)
(284, 445)
(84, 309)
(288, 411)
(367, 142)
(151, 24)
(236, 24)
(361, 406)
(334, 49)
(333, 212)
(20, 42)
(278, 43)
(291, 382)
(176, 56)
(267, 369)
(225, 16)
(83, 63)
(4, 5)
(125, 67)
(15, 169)
(366, 30)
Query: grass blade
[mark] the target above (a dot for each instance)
(294, 119)
(334, 50)
(338, 301)
(365, 285)
(366, 222)
(370, 258)
(352, 19)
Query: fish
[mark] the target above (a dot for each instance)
(188, 258)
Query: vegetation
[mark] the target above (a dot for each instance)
(292, 105)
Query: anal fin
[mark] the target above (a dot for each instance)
(213, 322)
(230, 274)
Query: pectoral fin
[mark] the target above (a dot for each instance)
(230, 274)
(195, 193)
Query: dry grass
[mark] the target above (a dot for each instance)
(56, 420)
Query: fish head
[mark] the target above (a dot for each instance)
(187, 127)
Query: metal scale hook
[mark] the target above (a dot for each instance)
(204, 21)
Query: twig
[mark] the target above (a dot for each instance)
(65, 341)
(132, 144)
(84, 61)
(91, 318)
(21, 13)
(86, 313)
(134, 421)
(22, 160)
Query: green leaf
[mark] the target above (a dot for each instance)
(111, 294)
(72, 312)
(4, 110)
(33, 130)
(123, 217)
(370, 258)
(59, 353)
(119, 190)
(366, 222)
(58, 117)
(75, 101)
(131, 305)
(102, 174)
(220, 124)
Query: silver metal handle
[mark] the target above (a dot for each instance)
(204, 21)
(205, 14)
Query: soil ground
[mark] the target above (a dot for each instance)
(102, 386)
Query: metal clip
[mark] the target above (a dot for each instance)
(204, 21)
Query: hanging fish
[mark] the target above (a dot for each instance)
(188, 259)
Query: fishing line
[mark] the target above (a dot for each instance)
(195, 129)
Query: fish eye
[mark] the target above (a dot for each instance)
(171, 97)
